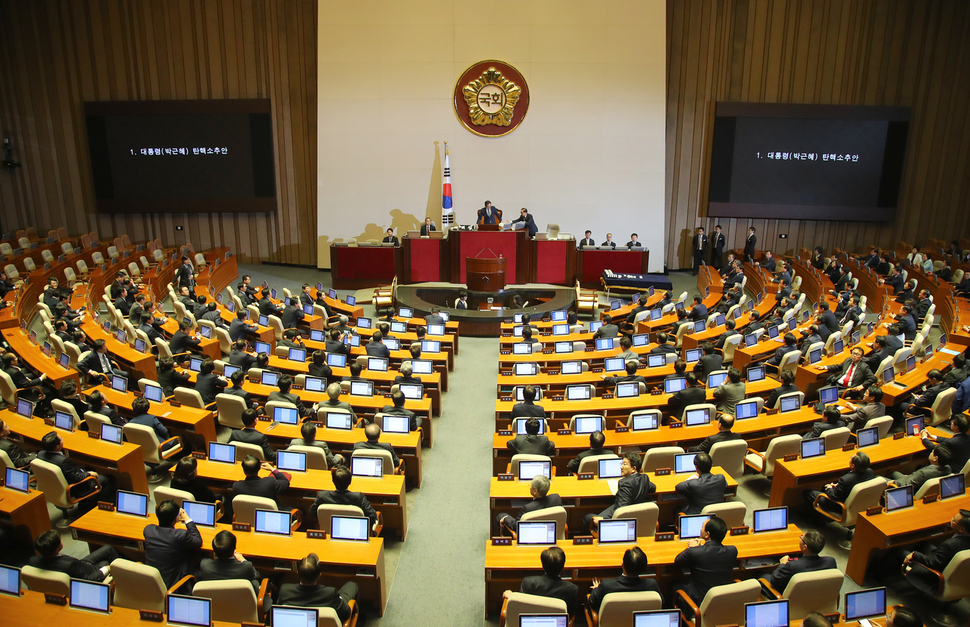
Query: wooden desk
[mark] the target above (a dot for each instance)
(140, 365)
(187, 420)
(33, 356)
(884, 531)
(26, 514)
(361, 561)
(385, 494)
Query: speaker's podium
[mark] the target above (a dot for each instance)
(485, 274)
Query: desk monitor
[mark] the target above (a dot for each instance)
(656, 361)
(331, 293)
(766, 614)
(828, 395)
(628, 389)
(291, 460)
(616, 304)
(377, 364)
(517, 318)
(614, 364)
(339, 420)
(132, 503)
(517, 331)
(789, 403)
(691, 526)
(188, 611)
(351, 300)
(263, 347)
(772, 332)
(107, 327)
(617, 530)
(396, 424)
(838, 347)
(750, 340)
(644, 421)
(915, 425)
(405, 312)
(297, 354)
(869, 603)
(715, 379)
(746, 409)
(317, 335)
(815, 356)
(314, 384)
(263, 321)
(684, 462)
(308, 310)
(699, 326)
(674, 384)
(356, 528)
(571, 367)
(604, 344)
(24, 408)
(578, 392)
(520, 393)
(366, 466)
(195, 364)
(206, 332)
(899, 498)
(119, 384)
(364, 323)
(202, 514)
(231, 306)
(813, 448)
(526, 369)
(120, 335)
(696, 417)
(435, 329)
(519, 426)
(522, 348)
(272, 522)
(153, 393)
(691, 355)
(272, 293)
(412, 391)
(111, 433)
(529, 470)
(228, 370)
(588, 424)
(867, 437)
(430, 346)
(64, 420)
(771, 519)
(225, 453)
(64, 360)
(559, 315)
(564, 347)
(656, 314)
(352, 339)
(283, 616)
(910, 362)
(888, 375)
(362, 388)
(89, 595)
(336, 360)
(537, 532)
(10, 581)
(560, 329)
(18, 480)
(421, 366)
(641, 339)
(719, 320)
(399, 327)
(657, 618)
(954, 485)
(609, 468)
(755, 374)
(270, 378)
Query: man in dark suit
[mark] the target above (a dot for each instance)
(853, 375)
(389, 238)
(528, 407)
(532, 443)
(292, 314)
(526, 219)
(213, 315)
(427, 228)
(489, 214)
(333, 402)
(717, 241)
(284, 395)
(310, 593)
(634, 242)
(587, 241)
(550, 584)
(318, 365)
(609, 241)
(239, 357)
(239, 329)
(341, 495)
(634, 565)
(87, 493)
(608, 329)
(308, 431)
(184, 276)
(939, 466)
(182, 342)
(833, 420)
(397, 409)
(631, 376)
(829, 324)
(168, 549)
(906, 294)
(750, 242)
(710, 563)
(434, 317)
(769, 264)
(907, 322)
(373, 434)
(335, 343)
(811, 544)
(710, 360)
(870, 408)
(596, 442)
(266, 306)
(97, 364)
(305, 297)
(541, 499)
(690, 395)
(249, 435)
(939, 557)
(702, 488)
(94, 567)
(662, 347)
(16, 454)
(809, 337)
(699, 310)
(228, 563)
(632, 489)
(922, 305)
(859, 472)
(121, 303)
(237, 379)
(208, 383)
(375, 348)
(170, 378)
(959, 443)
(146, 324)
(32, 388)
(254, 485)
(923, 403)
(724, 434)
(699, 246)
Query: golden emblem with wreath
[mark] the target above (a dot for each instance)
(491, 99)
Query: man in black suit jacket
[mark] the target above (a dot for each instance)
(702, 488)
(662, 347)
(609, 241)
(375, 348)
(254, 485)
(699, 310)
(305, 297)
(249, 435)
(16, 454)
(428, 227)
(489, 214)
(634, 565)
(228, 562)
(631, 376)
(541, 499)
(52, 446)
(724, 434)
(959, 443)
(184, 276)
(527, 220)
(397, 409)
(634, 242)
(632, 489)
(208, 383)
(266, 306)
(182, 342)
(239, 357)
(587, 241)
(833, 420)
(389, 238)
(341, 495)
(168, 549)
(30, 387)
(170, 378)
(335, 343)
(310, 593)
(750, 243)
(690, 395)
(790, 344)
(699, 246)
(318, 366)
(292, 314)
(532, 443)
(94, 567)
(710, 563)
(852, 375)
(811, 544)
(922, 404)
(373, 434)
(939, 557)
(528, 408)
(717, 241)
(596, 442)
(239, 329)
(859, 472)
(710, 360)
(97, 364)
(283, 395)
(550, 584)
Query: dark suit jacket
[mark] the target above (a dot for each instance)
(938, 559)
(170, 550)
(710, 363)
(549, 500)
(414, 421)
(71, 471)
(711, 440)
(333, 346)
(16, 454)
(390, 240)
(630, 490)
(313, 596)
(688, 396)
(711, 564)
(848, 481)
(376, 446)
(820, 427)
(92, 363)
(959, 445)
(530, 224)
(862, 375)
(267, 308)
(266, 487)
(610, 244)
(183, 276)
(208, 385)
(343, 497)
(238, 330)
(70, 566)
(750, 243)
(291, 316)
(621, 584)
(573, 465)
(172, 379)
(702, 249)
(552, 587)
(703, 491)
(222, 570)
(493, 218)
(252, 436)
(377, 349)
(242, 359)
(698, 312)
(427, 229)
(532, 445)
(320, 370)
(182, 343)
(520, 410)
(805, 564)
(583, 243)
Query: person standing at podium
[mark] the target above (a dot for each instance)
(489, 214)
(528, 221)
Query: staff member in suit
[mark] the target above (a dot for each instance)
(811, 544)
(94, 567)
(427, 228)
(526, 219)
(833, 420)
(939, 557)
(168, 549)
(596, 442)
(859, 472)
(717, 247)
(633, 243)
(609, 241)
(389, 238)
(725, 423)
(310, 593)
(633, 488)
(341, 495)
(690, 395)
(249, 435)
(872, 407)
(228, 563)
(239, 329)
(52, 446)
(939, 466)
(97, 364)
(37, 389)
(184, 276)
(293, 314)
(182, 342)
(700, 249)
(373, 434)
(959, 443)
(922, 404)
(254, 485)
(710, 563)
(528, 407)
(710, 361)
(702, 488)
(634, 565)
(489, 214)
(750, 242)
(550, 583)
(852, 376)
(16, 454)
(532, 443)
(541, 499)
(587, 241)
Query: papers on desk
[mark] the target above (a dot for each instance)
(614, 485)
(948, 351)
(758, 562)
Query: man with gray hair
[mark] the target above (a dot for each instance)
(541, 499)
(406, 374)
(343, 324)
(334, 402)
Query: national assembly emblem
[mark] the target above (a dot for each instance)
(491, 98)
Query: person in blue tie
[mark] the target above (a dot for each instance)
(489, 214)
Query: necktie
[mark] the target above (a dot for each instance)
(848, 376)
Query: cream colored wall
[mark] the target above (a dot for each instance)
(589, 154)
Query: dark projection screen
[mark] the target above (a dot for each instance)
(807, 162)
(174, 156)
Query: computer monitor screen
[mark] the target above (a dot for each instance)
(695, 417)
(715, 379)
(629, 389)
(18, 480)
(405, 312)
(699, 326)
(564, 347)
(560, 329)
(773, 332)
(317, 335)
(336, 360)
(644, 422)
(571, 367)
(354, 528)
(88, 595)
(132, 503)
(914, 425)
(539, 532)
(766, 614)
(228, 370)
(270, 378)
(604, 344)
(399, 327)
(339, 420)
(153, 393)
(297, 354)
(609, 468)
(675, 384)
(828, 395)
(641, 339)
(615, 304)
(750, 339)
(10, 581)
(435, 329)
(657, 618)
(517, 318)
(614, 364)
(522, 348)
(206, 332)
(283, 616)
(367, 466)
(868, 437)
(838, 346)
(656, 314)
(656, 361)
(352, 339)
(351, 300)
(119, 384)
(954, 485)
(63, 420)
(140, 345)
(111, 433)
(65, 360)
(899, 498)
(377, 364)
(692, 355)
(888, 375)
(273, 522)
(771, 519)
(617, 530)
(396, 424)
(865, 604)
(684, 463)
(815, 356)
(755, 374)
(203, 514)
(188, 611)
(543, 620)
(231, 306)
(263, 347)
(120, 335)
(308, 310)
(412, 391)
(526, 369)
(588, 424)
(520, 426)
(746, 409)
(529, 470)
(518, 331)
(577, 392)
(362, 388)
(291, 460)
(364, 323)
(813, 448)
(691, 526)
(559, 315)
(24, 408)
(421, 366)
(225, 453)
(789, 403)
(263, 321)
(910, 362)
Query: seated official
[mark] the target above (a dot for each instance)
(389, 238)
(528, 339)
(462, 301)
(541, 499)
(790, 344)
(596, 441)
(333, 402)
(627, 345)
(871, 407)
(318, 366)
(94, 567)
(373, 434)
(630, 377)
(787, 387)
(859, 472)
(309, 432)
(532, 443)
(710, 360)
(99, 405)
(310, 593)
(227, 563)
(283, 395)
(182, 342)
(608, 329)
(335, 343)
(939, 466)
(168, 549)
(725, 423)
(249, 435)
(958, 373)
(702, 488)
(811, 544)
(97, 366)
(729, 331)
(880, 351)
(939, 557)
(632, 580)
(730, 393)
(550, 583)
(16, 454)
(691, 395)
(634, 241)
(341, 495)
(434, 316)
(238, 379)
(213, 315)
(810, 336)
(293, 313)
(37, 389)
(376, 348)
(833, 420)
(254, 485)
(587, 240)
(633, 488)
(959, 443)
(406, 375)
(852, 376)
(428, 228)
(186, 478)
(683, 317)
(528, 408)
(52, 453)
(641, 306)
(710, 562)
(291, 339)
(922, 404)
(731, 298)
(208, 383)
(266, 306)
(698, 311)
(141, 407)
(239, 329)
(609, 241)
(663, 347)
(397, 409)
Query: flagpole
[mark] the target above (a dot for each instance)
(447, 211)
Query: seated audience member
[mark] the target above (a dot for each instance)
(239, 329)
(627, 345)
(596, 442)
(376, 348)
(608, 329)
(939, 466)
(662, 347)
(690, 395)
(787, 387)
(182, 342)
(699, 310)
(293, 314)
(94, 567)
(284, 395)
(724, 425)
(318, 366)
(872, 407)
(406, 374)
(958, 443)
(532, 443)
(541, 499)
(859, 472)
(550, 583)
(249, 435)
(852, 376)
(99, 405)
(333, 402)
(397, 409)
(86, 493)
(16, 454)
(633, 488)
(880, 351)
(631, 375)
(355, 370)
(528, 408)
(170, 378)
(833, 420)
(36, 389)
(97, 365)
(922, 403)
(291, 339)
(634, 566)
(710, 562)
(341, 495)
(309, 432)
(528, 339)
(811, 544)
(702, 488)
(227, 563)
(958, 373)
(938, 557)
(310, 593)
(168, 549)
(186, 478)
(373, 434)
(208, 383)
(335, 343)
(141, 407)
(254, 485)
(791, 344)
(238, 379)
(729, 331)
(730, 393)
(682, 319)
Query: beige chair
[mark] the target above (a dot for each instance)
(138, 586)
(941, 407)
(646, 515)
(557, 514)
(229, 410)
(233, 600)
(952, 585)
(518, 603)
(730, 456)
(814, 591)
(387, 462)
(245, 448)
(276, 323)
(712, 410)
(9, 391)
(884, 424)
(789, 361)
(63, 406)
(617, 608)
(5, 462)
(836, 438)
(660, 457)
(47, 581)
(95, 421)
(189, 397)
(730, 345)
(225, 342)
(51, 481)
(723, 605)
(777, 449)
(590, 463)
(156, 454)
(327, 616)
(519, 458)
(315, 457)
(732, 512)
(572, 421)
(326, 512)
(863, 496)
(244, 509)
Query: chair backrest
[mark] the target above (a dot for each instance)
(800, 395)
(171, 494)
(814, 591)
(233, 600)
(956, 577)
(245, 448)
(836, 438)
(789, 361)
(5, 462)
(730, 456)
(326, 511)
(941, 406)
(724, 605)
(884, 423)
(97, 258)
(11, 271)
(189, 397)
(646, 515)
(144, 436)
(617, 608)
(519, 603)
(778, 448)
(138, 586)
(315, 457)
(95, 421)
(733, 512)
(29, 264)
(930, 486)
(557, 514)
(524, 457)
(59, 405)
(51, 481)
(863, 496)
(244, 507)
(230, 410)
(660, 457)
(47, 581)
(388, 462)
(730, 345)
(902, 354)
(590, 463)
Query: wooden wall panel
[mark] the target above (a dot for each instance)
(913, 53)
(59, 53)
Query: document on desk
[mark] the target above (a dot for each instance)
(948, 351)
(614, 485)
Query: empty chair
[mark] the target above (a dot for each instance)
(189, 397)
(51, 481)
(730, 345)
(233, 600)
(863, 496)
(155, 453)
(518, 603)
(113, 253)
(777, 449)
(521, 457)
(558, 514)
(723, 605)
(941, 406)
(97, 258)
(140, 587)
(316, 459)
(730, 456)
(789, 361)
(884, 423)
(95, 421)
(47, 581)
(29, 264)
(617, 608)
(387, 463)
(244, 448)
(646, 515)
(813, 591)
(660, 457)
(230, 410)
(732, 512)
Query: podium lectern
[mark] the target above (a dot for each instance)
(485, 274)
